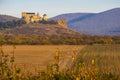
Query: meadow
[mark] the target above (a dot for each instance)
(41, 56)
(64, 62)
(103, 60)
(106, 57)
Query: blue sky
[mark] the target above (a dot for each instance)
(55, 7)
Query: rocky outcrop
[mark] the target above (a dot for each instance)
(62, 23)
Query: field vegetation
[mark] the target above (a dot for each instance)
(101, 62)
(57, 40)
(92, 62)
(41, 55)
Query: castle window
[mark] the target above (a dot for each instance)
(30, 13)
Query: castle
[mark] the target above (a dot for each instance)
(32, 17)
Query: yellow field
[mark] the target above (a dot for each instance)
(40, 56)
(106, 58)
(92, 62)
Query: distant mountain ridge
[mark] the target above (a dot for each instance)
(104, 23)
(5, 18)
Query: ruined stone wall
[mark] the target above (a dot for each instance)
(62, 23)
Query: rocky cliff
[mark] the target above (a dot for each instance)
(62, 23)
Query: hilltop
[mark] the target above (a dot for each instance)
(33, 24)
(5, 18)
(102, 24)
(39, 34)
(40, 29)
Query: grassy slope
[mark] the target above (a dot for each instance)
(40, 29)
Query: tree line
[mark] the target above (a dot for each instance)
(57, 40)
(15, 23)
(12, 24)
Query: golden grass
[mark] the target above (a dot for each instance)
(106, 58)
(42, 55)
(93, 62)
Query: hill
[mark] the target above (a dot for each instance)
(39, 34)
(40, 29)
(72, 17)
(104, 23)
(5, 18)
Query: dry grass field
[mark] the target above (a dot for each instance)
(40, 56)
(92, 62)
(106, 58)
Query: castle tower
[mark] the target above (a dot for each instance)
(38, 16)
(45, 17)
(23, 14)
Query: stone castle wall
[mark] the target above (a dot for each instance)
(62, 23)
(32, 17)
